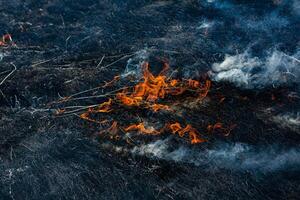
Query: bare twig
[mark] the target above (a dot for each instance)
(99, 64)
(71, 112)
(291, 57)
(8, 75)
(85, 91)
(126, 56)
(42, 62)
(112, 93)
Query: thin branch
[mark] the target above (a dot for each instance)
(99, 64)
(112, 93)
(69, 98)
(126, 56)
(291, 57)
(8, 75)
(42, 62)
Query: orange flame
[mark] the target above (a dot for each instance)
(157, 87)
(146, 94)
(192, 132)
(156, 107)
(175, 128)
(142, 129)
(104, 107)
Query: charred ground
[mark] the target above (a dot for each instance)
(64, 47)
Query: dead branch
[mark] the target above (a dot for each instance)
(69, 98)
(99, 64)
(122, 58)
(8, 75)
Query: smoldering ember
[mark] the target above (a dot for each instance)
(156, 99)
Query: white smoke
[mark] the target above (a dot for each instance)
(248, 71)
(288, 120)
(133, 67)
(2, 55)
(230, 156)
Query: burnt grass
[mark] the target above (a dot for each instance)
(60, 44)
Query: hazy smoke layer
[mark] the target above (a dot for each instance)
(245, 70)
(288, 120)
(264, 37)
(231, 156)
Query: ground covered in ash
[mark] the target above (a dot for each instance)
(249, 49)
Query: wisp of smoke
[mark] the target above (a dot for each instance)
(133, 67)
(247, 71)
(237, 156)
(288, 120)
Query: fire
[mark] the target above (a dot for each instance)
(157, 87)
(150, 90)
(175, 128)
(193, 83)
(142, 129)
(105, 107)
(129, 101)
(192, 132)
(156, 107)
(148, 94)
(86, 116)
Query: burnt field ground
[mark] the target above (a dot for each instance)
(249, 52)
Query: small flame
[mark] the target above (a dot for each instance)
(175, 128)
(104, 107)
(192, 132)
(142, 129)
(156, 107)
